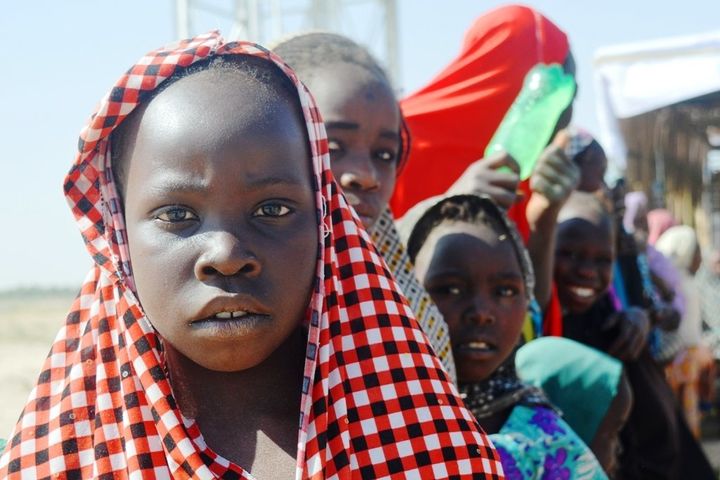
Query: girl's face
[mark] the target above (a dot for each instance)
(475, 279)
(221, 217)
(362, 119)
(583, 262)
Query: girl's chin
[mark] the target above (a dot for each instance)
(576, 304)
(475, 373)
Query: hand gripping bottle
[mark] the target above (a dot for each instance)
(526, 128)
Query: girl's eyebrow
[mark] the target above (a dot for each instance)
(448, 272)
(493, 276)
(390, 135)
(275, 180)
(342, 125)
(179, 184)
(506, 276)
(196, 185)
(345, 125)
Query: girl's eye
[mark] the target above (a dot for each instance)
(569, 255)
(446, 290)
(507, 292)
(386, 156)
(176, 215)
(272, 210)
(604, 262)
(334, 147)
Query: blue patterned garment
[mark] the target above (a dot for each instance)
(535, 443)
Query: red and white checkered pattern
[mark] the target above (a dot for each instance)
(377, 402)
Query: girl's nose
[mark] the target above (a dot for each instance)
(225, 256)
(360, 174)
(586, 269)
(479, 312)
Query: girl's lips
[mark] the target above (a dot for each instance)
(224, 327)
(582, 292)
(352, 199)
(475, 350)
(229, 315)
(230, 307)
(582, 295)
(366, 213)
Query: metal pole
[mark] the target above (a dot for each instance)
(182, 18)
(276, 25)
(253, 21)
(391, 41)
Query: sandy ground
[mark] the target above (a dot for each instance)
(28, 325)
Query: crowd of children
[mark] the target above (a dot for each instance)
(296, 275)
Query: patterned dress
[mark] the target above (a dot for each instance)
(535, 443)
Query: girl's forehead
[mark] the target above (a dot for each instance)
(212, 103)
(348, 80)
(460, 238)
(479, 230)
(580, 235)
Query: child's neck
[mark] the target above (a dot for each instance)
(493, 423)
(243, 415)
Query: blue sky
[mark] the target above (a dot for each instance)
(59, 58)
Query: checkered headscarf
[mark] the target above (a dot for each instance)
(375, 402)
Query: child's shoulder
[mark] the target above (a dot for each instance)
(536, 442)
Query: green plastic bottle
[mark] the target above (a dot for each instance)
(526, 128)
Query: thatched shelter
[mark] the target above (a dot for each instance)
(659, 108)
(667, 152)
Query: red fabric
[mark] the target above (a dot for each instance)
(552, 321)
(453, 118)
(517, 211)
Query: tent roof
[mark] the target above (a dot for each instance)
(645, 76)
(637, 78)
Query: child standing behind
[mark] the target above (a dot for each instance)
(656, 442)
(237, 322)
(484, 301)
(368, 145)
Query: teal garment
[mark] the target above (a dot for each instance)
(581, 381)
(2, 445)
(535, 443)
(619, 285)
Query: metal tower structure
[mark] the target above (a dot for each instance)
(372, 23)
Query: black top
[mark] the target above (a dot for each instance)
(656, 441)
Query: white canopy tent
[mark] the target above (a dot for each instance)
(637, 78)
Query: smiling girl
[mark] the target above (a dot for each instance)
(656, 442)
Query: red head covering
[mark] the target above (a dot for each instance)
(375, 402)
(453, 118)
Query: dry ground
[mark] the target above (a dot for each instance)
(29, 322)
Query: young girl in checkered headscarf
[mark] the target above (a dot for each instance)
(238, 322)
